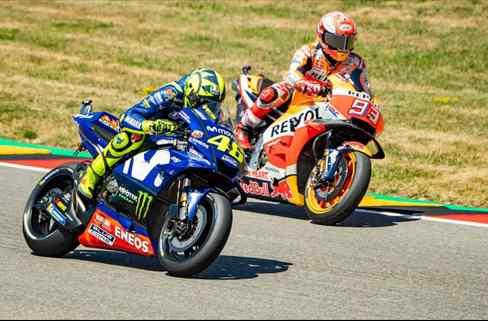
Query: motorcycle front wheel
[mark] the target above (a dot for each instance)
(188, 248)
(332, 203)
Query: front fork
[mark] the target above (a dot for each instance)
(329, 164)
(187, 200)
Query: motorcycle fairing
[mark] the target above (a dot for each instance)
(109, 230)
(266, 189)
(96, 130)
(147, 174)
(306, 119)
(283, 143)
(156, 169)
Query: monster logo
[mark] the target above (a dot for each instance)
(144, 202)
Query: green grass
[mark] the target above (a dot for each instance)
(427, 60)
(82, 26)
(8, 34)
(28, 134)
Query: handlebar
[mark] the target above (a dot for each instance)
(325, 89)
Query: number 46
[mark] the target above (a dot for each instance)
(226, 144)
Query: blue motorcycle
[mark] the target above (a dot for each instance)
(173, 199)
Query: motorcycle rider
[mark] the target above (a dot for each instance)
(331, 53)
(153, 115)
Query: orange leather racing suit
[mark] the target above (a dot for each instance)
(309, 62)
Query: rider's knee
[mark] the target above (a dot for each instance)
(274, 96)
(121, 141)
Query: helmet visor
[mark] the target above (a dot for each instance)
(341, 43)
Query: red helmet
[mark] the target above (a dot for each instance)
(337, 34)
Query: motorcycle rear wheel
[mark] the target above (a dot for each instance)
(42, 234)
(344, 199)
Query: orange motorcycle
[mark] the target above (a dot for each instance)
(317, 153)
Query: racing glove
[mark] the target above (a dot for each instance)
(310, 87)
(159, 126)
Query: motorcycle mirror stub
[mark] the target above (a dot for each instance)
(86, 107)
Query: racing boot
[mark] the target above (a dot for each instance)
(91, 177)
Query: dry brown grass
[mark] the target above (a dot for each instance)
(427, 62)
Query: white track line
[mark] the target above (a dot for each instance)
(29, 168)
(426, 218)
(412, 217)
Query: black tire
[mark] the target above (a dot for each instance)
(57, 242)
(213, 239)
(352, 197)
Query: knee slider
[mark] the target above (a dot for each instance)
(268, 95)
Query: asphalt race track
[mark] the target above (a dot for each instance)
(275, 265)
